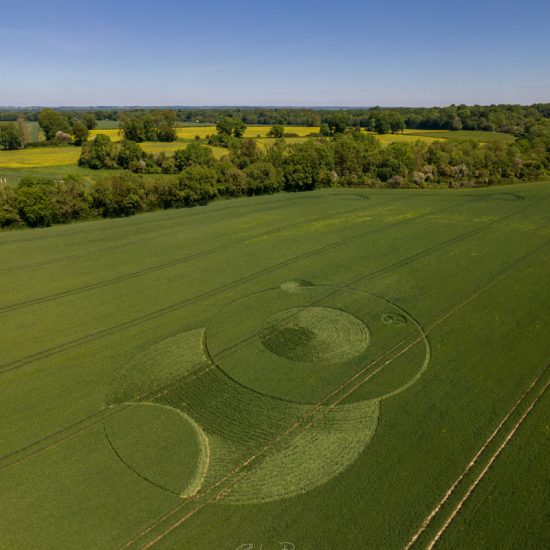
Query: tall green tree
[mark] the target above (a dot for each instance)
(166, 129)
(80, 132)
(192, 155)
(90, 120)
(10, 136)
(51, 122)
(276, 131)
(231, 126)
(132, 128)
(98, 153)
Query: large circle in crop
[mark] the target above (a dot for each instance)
(314, 335)
(303, 342)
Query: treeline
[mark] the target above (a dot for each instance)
(192, 176)
(58, 129)
(61, 128)
(503, 118)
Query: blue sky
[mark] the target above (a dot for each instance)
(301, 52)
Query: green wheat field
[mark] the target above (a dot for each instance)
(339, 368)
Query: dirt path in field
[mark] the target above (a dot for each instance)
(428, 520)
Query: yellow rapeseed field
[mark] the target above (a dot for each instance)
(114, 133)
(189, 132)
(64, 156)
(40, 156)
(157, 147)
(262, 131)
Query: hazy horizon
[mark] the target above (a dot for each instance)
(252, 106)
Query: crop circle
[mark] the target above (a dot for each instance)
(302, 346)
(314, 335)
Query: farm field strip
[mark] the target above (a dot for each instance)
(56, 455)
(477, 135)
(155, 235)
(427, 251)
(490, 461)
(232, 284)
(106, 226)
(96, 418)
(96, 227)
(506, 272)
(374, 230)
(145, 271)
(57, 432)
(40, 156)
(221, 494)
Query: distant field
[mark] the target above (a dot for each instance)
(113, 133)
(480, 136)
(44, 157)
(262, 131)
(189, 132)
(40, 156)
(169, 147)
(13, 175)
(107, 124)
(386, 139)
(339, 369)
(265, 141)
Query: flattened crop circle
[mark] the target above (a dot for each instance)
(314, 335)
(336, 337)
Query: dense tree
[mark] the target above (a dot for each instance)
(324, 130)
(149, 126)
(90, 120)
(305, 165)
(132, 128)
(70, 200)
(98, 153)
(276, 131)
(243, 152)
(396, 122)
(338, 122)
(197, 185)
(9, 215)
(166, 128)
(45, 201)
(232, 181)
(118, 195)
(80, 132)
(128, 154)
(10, 136)
(263, 178)
(193, 154)
(51, 122)
(230, 126)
